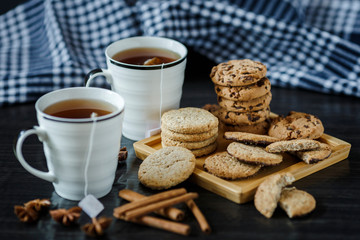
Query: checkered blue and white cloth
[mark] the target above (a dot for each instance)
(311, 44)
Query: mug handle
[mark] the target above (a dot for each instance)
(98, 72)
(48, 176)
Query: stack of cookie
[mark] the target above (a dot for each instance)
(243, 95)
(193, 128)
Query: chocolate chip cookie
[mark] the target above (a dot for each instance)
(296, 125)
(246, 106)
(244, 93)
(238, 72)
(245, 118)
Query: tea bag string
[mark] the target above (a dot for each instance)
(87, 161)
(161, 91)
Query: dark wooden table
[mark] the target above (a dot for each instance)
(336, 188)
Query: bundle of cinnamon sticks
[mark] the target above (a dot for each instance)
(136, 211)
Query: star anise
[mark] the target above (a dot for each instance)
(31, 210)
(97, 227)
(123, 153)
(66, 217)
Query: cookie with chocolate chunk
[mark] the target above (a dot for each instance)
(269, 191)
(296, 125)
(316, 155)
(238, 72)
(253, 154)
(245, 118)
(244, 93)
(250, 138)
(292, 145)
(258, 128)
(246, 106)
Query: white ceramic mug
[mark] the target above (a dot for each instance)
(66, 143)
(148, 90)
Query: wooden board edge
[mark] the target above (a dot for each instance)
(221, 187)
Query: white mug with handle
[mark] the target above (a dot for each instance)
(66, 143)
(148, 90)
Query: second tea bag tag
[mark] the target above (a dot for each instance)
(91, 205)
(155, 128)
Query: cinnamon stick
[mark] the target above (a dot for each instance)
(163, 224)
(204, 225)
(145, 209)
(169, 212)
(120, 211)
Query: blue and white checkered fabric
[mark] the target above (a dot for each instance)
(311, 44)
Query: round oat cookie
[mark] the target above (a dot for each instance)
(199, 152)
(296, 125)
(244, 93)
(225, 166)
(253, 154)
(189, 120)
(166, 167)
(246, 118)
(188, 137)
(188, 145)
(296, 203)
(269, 191)
(238, 72)
(205, 150)
(246, 106)
(250, 138)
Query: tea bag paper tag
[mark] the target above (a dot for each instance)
(152, 132)
(91, 205)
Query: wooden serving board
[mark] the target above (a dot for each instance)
(241, 191)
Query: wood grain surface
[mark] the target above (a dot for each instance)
(336, 188)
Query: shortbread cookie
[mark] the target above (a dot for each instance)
(296, 203)
(296, 125)
(316, 155)
(258, 128)
(188, 145)
(268, 193)
(253, 154)
(199, 152)
(293, 145)
(246, 106)
(238, 72)
(189, 120)
(246, 118)
(244, 93)
(225, 166)
(166, 167)
(250, 138)
(188, 137)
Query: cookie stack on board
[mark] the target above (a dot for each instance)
(193, 128)
(243, 95)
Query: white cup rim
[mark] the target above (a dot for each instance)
(146, 67)
(119, 108)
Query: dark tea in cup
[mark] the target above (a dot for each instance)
(146, 56)
(79, 108)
